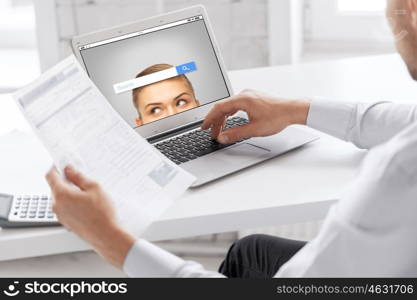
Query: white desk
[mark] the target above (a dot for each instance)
(296, 187)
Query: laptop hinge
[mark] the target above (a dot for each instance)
(173, 132)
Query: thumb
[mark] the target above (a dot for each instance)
(236, 134)
(78, 178)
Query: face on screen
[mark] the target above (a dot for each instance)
(163, 98)
(147, 77)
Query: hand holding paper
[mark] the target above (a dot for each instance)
(79, 127)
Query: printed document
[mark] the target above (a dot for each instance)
(79, 127)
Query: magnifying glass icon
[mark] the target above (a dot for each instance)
(186, 68)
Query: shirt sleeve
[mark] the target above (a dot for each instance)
(371, 231)
(365, 125)
(147, 260)
(372, 218)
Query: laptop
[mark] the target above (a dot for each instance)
(163, 75)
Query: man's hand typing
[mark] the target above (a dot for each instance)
(267, 115)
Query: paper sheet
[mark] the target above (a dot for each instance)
(79, 127)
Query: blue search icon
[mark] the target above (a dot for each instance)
(186, 68)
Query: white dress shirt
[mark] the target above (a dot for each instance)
(371, 231)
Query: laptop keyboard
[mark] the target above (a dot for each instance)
(194, 144)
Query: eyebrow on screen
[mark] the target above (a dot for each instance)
(159, 103)
(180, 95)
(154, 103)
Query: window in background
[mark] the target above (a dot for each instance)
(18, 53)
(360, 6)
(346, 28)
(17, 24)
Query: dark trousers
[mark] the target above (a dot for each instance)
(258, 256)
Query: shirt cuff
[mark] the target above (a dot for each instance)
(331, 117)
(147, 260)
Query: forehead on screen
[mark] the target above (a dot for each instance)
(182, 79)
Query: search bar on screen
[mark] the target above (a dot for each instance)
(154, 77)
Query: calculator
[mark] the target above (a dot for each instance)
(26, 211)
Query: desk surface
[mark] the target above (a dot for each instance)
(296, 187)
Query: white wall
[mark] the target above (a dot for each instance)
(286, 34)
(240, 25)
(251, 33)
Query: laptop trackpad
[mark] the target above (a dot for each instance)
(225, 161)
(241, 153)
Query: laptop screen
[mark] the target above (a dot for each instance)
(158, 72)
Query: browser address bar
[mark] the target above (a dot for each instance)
(154, 77)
